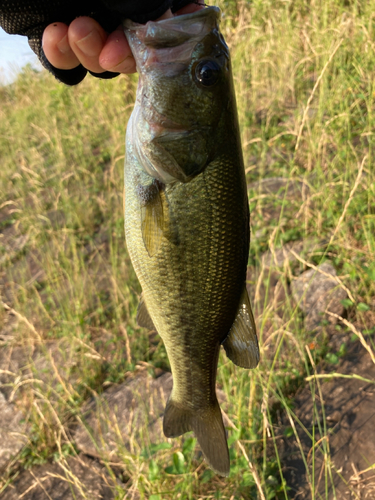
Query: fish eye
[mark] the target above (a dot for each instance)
(207, 72)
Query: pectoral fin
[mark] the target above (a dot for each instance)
(241, 344)
(143, 316)
(152, 216)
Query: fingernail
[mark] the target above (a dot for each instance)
(63, 45)
(86, 43)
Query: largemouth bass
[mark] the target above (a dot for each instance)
(187, 216)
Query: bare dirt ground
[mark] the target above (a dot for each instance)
(344, 451)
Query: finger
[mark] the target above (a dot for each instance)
(56, 47)
(167, 15)
(116, 54)
(87, 39)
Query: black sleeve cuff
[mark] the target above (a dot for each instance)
(67, 76)
(178, 4)
(147, 10)
(139, 11)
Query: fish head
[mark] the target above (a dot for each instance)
(183, 92)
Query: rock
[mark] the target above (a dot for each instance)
(269, 294)
(53, 361)
(128, 417)
(273, 291)
(285, 255)
(315, 292)
(116, 420)
(12, 431)
(349, 412)
(74, 479)
(281, 256)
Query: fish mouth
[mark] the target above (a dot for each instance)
(173, 39)
(158, 32)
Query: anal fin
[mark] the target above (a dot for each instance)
(143, 316)
(241, 344)
(177, 419)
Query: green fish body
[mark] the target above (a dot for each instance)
(187, 216)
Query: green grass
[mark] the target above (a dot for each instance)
(304, 73)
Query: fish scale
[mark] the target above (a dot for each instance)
(188, 232)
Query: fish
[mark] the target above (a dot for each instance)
(187, 216)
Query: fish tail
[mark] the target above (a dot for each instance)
(208, 428)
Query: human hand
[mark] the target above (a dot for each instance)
(85, 42)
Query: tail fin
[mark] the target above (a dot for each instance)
(208, 428)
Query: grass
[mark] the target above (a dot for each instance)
(304, 78)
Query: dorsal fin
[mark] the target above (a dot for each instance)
(143, 316)
(241, 344)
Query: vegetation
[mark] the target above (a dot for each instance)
(304, 76)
